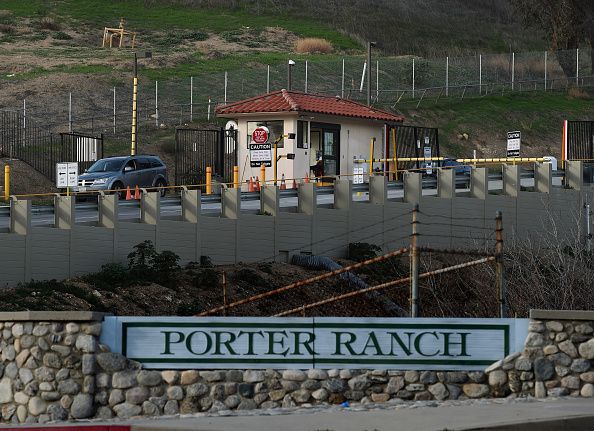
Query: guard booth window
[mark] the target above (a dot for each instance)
(276, 128)
(301, 134)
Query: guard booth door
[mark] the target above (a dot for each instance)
(325, 139)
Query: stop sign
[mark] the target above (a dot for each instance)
(260, 135)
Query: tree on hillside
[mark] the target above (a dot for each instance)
(567, 24)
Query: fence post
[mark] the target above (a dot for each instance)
(414, 265)
(268, 78)
(70, 112)
(447, 83)
(342, 82)
(377, 81)
(225, 301)
(114, 110)
(513, 71)
(208, 115)
(191, 99)
(546, 55)
(480, 74)
(588, 234)
(577, 67)
(413, 78)
(225, 88)
(306, 70)
(499, 264)
(157, 104)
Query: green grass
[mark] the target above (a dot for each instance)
(141, 16)
(538, 115)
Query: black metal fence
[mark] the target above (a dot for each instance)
(21, 138)
(580, 140)
(196, 149)
(413, 141)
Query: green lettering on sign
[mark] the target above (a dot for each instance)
(418, 343)
(447, 343)
(272, 341)
(346, 343)
(169, 341)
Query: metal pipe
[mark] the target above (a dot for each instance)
(447, 89)
(224, 293)
(306, 281)
(480, 74)
(306, 67)
(395, 154)
(192, 98)
(157, 104)
(545, 70)
(499, 263)
(342, 81)
(513, 71)
(225, 100)
(588, 234)
(369, 73)
(385, 285)
(413, 78)
(114, 110)
(414, 265)
(371, 150)
(268, 79)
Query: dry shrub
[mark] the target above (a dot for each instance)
(578, 93)
(5, 13)
(313, 45)
(7, 29)
(48, 23)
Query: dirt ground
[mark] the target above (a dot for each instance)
(25, 179)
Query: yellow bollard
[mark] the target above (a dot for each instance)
(371, 145)
(6, 182)
(208, 180)
(235, 177)
(263, 174)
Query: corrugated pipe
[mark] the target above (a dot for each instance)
(327, 264)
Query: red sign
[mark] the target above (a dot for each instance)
(260, 135)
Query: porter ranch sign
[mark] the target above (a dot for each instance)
(428, 344)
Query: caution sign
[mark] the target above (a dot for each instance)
(514, 140)
(260, 154)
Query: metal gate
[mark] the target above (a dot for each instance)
(411, 142)
(196, 149)
(580, 140)
(23, 139)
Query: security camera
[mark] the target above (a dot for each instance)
(291, 136)
(291, 63)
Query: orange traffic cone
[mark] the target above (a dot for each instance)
(137, 193)
(257, 185)
(128, 194)
(294, 183)
(250, 185)
(306, 177)
(283, 185)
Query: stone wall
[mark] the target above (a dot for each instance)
(54, 368)
(556, 360)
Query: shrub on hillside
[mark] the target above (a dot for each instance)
(313, 45)
(60, 35)
(48, 23)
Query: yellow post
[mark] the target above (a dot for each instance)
(208, 180)
(6, 182)
(395, 156)
(371, 144)
(134, 105)
(263, 174)
(235, 177)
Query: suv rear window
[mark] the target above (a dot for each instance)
(144, 163)
(156, 163)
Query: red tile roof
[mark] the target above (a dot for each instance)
(295, 101)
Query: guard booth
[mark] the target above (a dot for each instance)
(329, 133)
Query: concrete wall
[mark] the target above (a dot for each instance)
(447, 220)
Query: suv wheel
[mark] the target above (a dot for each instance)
(161, 184)
(119, 186)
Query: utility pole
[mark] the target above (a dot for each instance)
(134, 108)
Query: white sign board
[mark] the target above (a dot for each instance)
(246, 342)
(66, 175)
(514, 140)
(427, 155)
(358, 175)
(260, 154)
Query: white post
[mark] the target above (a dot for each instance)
(208, 115)
(225, 88)
(363, 77)
(306, 67)
(191, 98)
(377, 80)
(157, 104)
(480, 74)
(588, 234)
(413, 79)
(513, 69)
(24, 113)
(114, 110)
(342, 83)
(447, 76)
(268, 79)
(70, 112)
(577, 67)
(546, 70)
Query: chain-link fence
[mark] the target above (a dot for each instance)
(394, 81)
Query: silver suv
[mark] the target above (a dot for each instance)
(117, 173)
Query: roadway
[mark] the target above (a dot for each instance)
(87, 212)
